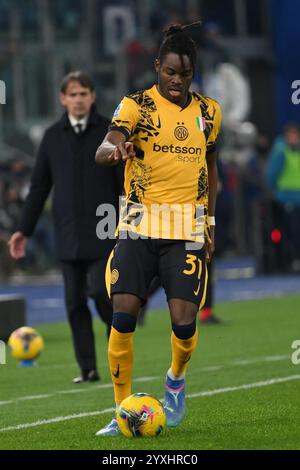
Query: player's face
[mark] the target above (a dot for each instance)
(175, 74)
(77, 100)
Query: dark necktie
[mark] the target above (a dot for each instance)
(78, 128)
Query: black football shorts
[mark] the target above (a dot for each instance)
(134, 263)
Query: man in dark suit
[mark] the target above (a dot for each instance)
(66, 163)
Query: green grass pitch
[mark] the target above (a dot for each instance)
(232, 402)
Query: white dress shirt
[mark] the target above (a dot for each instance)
(82, 122)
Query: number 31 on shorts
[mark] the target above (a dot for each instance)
(194, 262)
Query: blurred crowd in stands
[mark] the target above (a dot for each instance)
(15, 176)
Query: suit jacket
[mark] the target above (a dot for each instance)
(66, 163)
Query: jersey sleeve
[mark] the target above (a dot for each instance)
(125, 117)
(217, 118)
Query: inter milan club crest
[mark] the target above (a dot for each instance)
(201, 123)
(181, 132)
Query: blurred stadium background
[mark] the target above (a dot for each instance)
(247, 60)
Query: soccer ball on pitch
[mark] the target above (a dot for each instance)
(26, 344)
(141, 415)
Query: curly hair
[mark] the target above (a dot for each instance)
(177, 41)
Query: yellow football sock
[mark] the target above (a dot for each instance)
(182, 350)
(120, 356)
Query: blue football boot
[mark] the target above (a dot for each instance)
(110, 430)
(174, 404)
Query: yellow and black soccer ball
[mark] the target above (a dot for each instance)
(141, 415)
(26, 344)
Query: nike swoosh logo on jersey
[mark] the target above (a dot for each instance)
(197, 291)
(159, 123)
(117, 373)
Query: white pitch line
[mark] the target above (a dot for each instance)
(276, 358)
(58, 419)
(204, 369)
(245, 362)
(207, 393)
(36, 397)
(244, 387)
(72, 391)
(83, 390)
(147, 379)
(210, 369)
(242, 362)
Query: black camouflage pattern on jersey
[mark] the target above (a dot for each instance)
(209, 118)
(145, 126)
(202, 185)
(140, 182)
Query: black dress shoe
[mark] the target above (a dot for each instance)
(90, 376)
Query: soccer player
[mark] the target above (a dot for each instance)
(167, 137)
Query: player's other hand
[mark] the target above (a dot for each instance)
(210, 245)
(17, 245)
(123, 151)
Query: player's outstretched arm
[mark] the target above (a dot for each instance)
(113, 149)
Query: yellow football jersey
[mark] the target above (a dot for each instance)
(166, 183)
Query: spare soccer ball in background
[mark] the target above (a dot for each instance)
(141, 415)
(26, 344)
